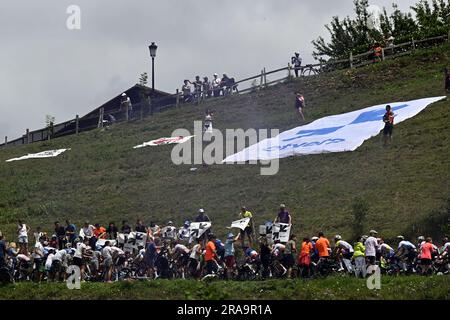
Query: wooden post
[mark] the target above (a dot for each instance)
(77, 124)
(27, 134)
(382, 54)
(126, 112)
(265, 77)
(178, 98)
(100, 118)
(351, 59)
(261, 80)
(413, 45)
(289, 70)
(6, 141)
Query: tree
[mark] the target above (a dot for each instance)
(143, 79)
(360, 208)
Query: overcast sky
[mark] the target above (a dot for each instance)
(48, 69)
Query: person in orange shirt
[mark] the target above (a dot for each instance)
(99, 232)
(323, 247)
(210, 255)
(304, 258)
(426, 256)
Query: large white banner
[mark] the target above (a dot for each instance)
(40, 155)
(338, 133)
(240, 224)
(164, 141)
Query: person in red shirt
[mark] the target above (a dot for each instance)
(425, 255)
(210, 255)
(388, 120)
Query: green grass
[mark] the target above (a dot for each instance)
(333, 288)
(103, 179)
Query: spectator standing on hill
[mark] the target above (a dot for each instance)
(304, 258)
(22, 232)
(210, 255)
(388, 120)
(296, 61)
(371, 245)
(289, 254)
(71, 232)
(140, 227)
(447, 80)
(207, 88)
(300, 104)
(197, 87)
(126, 229)
(216, 85)
(283, 216)
(186, 89)
(426, 252)
(250, 229)
(125, 104)
(60, 233)
(2, 251)
(359, 257)
(112, 231)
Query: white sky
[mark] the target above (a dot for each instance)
(48, 69)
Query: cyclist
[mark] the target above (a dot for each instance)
(406, 251)
(343, 252)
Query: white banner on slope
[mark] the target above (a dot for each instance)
(240, 224)
(163, 141)
(338, 133)
(40, 155)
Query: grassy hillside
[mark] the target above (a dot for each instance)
(103, 179)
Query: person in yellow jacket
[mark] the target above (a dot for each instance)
(359, 256)
(249, 229)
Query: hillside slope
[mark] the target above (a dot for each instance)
(103, 179)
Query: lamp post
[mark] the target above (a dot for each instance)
(152, 49)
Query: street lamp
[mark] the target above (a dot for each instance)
(152, 49)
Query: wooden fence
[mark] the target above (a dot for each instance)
(260, 81)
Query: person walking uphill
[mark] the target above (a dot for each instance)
(388, 120)
(300, 104)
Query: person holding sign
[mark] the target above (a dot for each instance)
(249, 229)
(283, 216)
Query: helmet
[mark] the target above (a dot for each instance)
(201, 211)
(421, 238)
(170, 223)
(337, 237)
(124, 94)
(373, 232)
(282, 205)
(401, 237)
(315, 238)
(187, 223)
(230, 236)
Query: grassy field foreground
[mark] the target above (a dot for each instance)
(333, 288)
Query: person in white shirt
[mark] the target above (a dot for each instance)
(406, 251)
(216, 85)
(107, 261)
(296, 60)
(22, 231)
(184, 233)
(194, 259)
(38, 258)
(371, 245)
(59, 264)
(87, 231)
(80, 256)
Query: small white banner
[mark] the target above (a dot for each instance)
(197, 229)
(281, 231)
(40, 155)
(241, 224)
(132, 241)
(164, 141)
